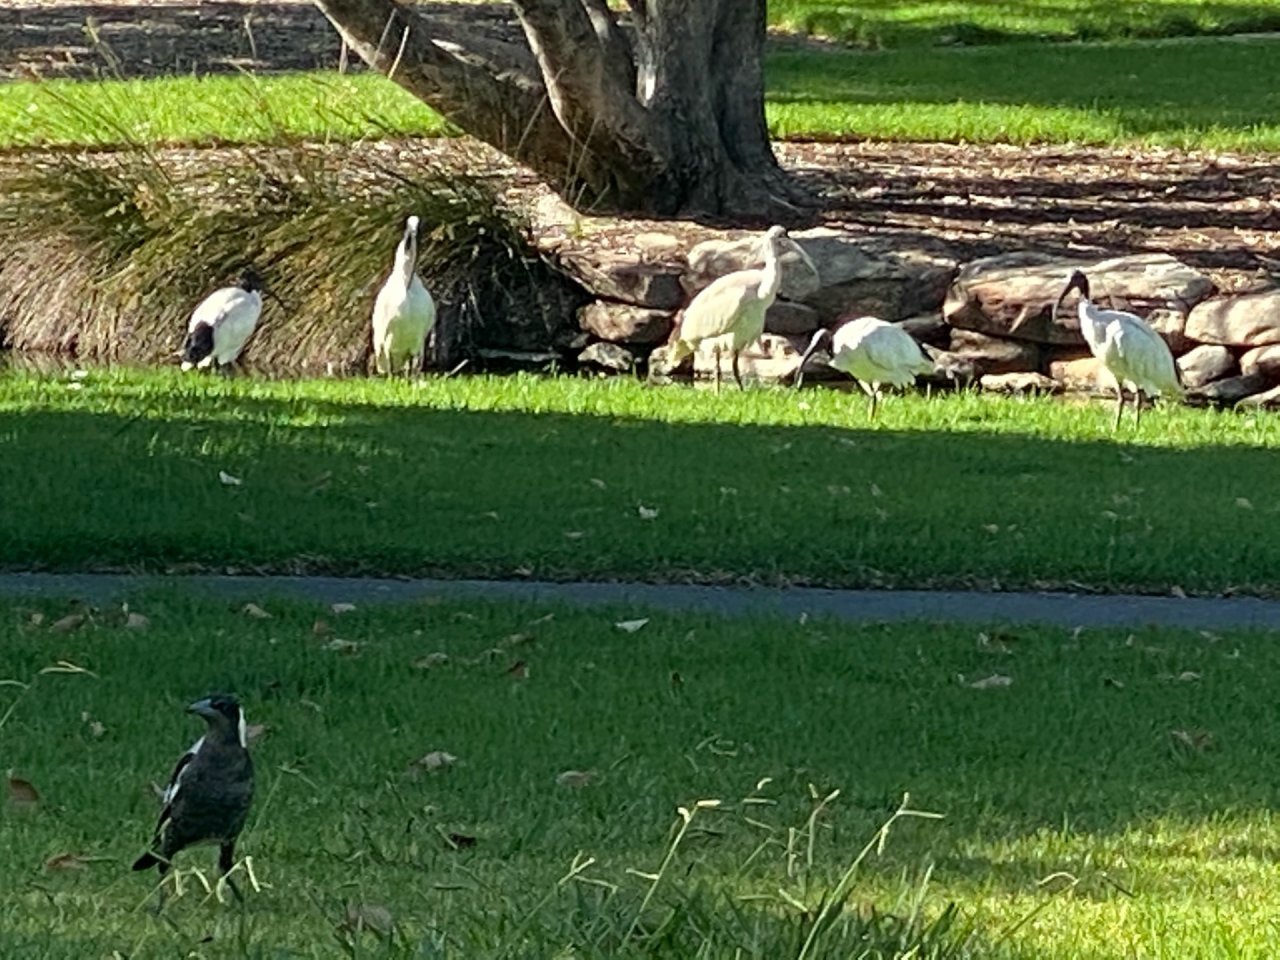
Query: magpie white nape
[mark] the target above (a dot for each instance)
(403, 312)
(209, 793)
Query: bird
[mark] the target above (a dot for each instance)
(873, 352)
(733, 305)
(403, 313)
(1131, 352)
(209, 793)
(223, 322)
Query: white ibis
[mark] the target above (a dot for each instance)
(223, 322)
(403, 313)
(1132, 352)
(733, 305)
(873, 352)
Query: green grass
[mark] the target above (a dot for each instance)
(895, 23)
(1078, 825)
(1209, 94)
(546, 477)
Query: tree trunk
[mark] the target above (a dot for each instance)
(661, 115)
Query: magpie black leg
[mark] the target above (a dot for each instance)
(226, 860)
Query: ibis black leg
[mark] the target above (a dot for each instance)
(736, 375)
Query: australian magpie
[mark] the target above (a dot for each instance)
(209, 794)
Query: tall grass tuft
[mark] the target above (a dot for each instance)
(104, 255)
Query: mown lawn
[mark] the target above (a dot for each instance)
(571, 478)
(1214, 94)
(927, 22)
(1110, 798)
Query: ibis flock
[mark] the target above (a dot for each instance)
(729, 315)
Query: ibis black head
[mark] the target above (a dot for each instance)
(822, 334)
(1077, 281)
(250, 280)
(221, 711)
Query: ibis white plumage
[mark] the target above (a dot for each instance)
(403, 313)
(873, 352)
(1131, 352)
(732, 306)
(223, 323)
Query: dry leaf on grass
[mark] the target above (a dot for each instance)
(574, 534)
(66, 861)
(577, 778)
(598, 483)
(1178, 592)
(338, 645)
(518, 670)
(647, 513)
(321, 628)
(228, 480)
(1196, 740)
(72, 621)
(431, 661)
(436, 760)
(995, 681)
(22, 794)
(339, 609)
(631, 626)
(136, 621)
(517, 639)
(36, 619)
(255, 611)
(255, 732)
(1244, 503)
(368, 916)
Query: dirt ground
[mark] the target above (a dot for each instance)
(1218, 212)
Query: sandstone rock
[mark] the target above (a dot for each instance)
(654, 245)
(661, 369)
(774, 358)
(1205, 364)
(950, 369)
(1231, 390)
(1077, 374)
(715, 258)
(1264, 361)
(992, 294)
(1019, 383)
(995, 355)
(928, 328)
(1171, 324)
(625, 323)
(616, 277)
(877, 276)
(1267, 400)
(1252, 320)
(609, 356)
(787, 317)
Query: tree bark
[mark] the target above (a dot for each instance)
(663, 115)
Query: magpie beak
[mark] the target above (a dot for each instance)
(203, 708)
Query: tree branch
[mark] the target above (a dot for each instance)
(619, 58)
(454, 74)
(592, 102)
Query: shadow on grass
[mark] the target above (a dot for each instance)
(349, 487)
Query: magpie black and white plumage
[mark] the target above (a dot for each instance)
(223, 322)
(209, 793)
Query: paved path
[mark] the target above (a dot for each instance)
(1061, 609)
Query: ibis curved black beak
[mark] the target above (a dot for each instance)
(809, 351)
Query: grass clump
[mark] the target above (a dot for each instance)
(572, 478)
(1112, 799)
(107, 254)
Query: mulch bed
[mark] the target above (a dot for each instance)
(1216, 212)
